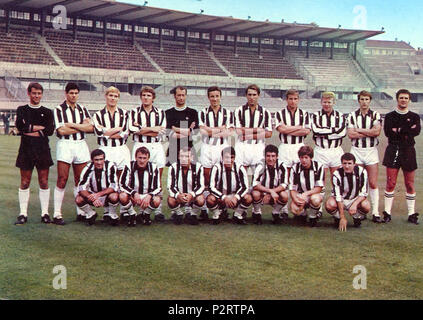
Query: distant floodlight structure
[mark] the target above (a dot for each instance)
(145, 3)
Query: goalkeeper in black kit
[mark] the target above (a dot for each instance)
(401, 126)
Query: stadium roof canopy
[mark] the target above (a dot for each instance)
(119, 12)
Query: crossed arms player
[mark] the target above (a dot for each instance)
(181, 122)
(72, 122)
(35, 123)
(401, 126)
(364, 126)
(216, 125)
(253, 124)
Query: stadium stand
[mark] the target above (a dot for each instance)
(92, 52)
(247, 63)
(395, 71)
(20, 46)
(175, 59)
(339, 71)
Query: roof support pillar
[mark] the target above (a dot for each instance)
(211, 41)
(42, 22)
(236, 44)
(133, 35)
(105, 31)
(74, 29)
(186, 40)
(355, 50)
(7, 17)
(259, 47)
(283, 48)
(161, 39)
(331, 49)
(308, 49)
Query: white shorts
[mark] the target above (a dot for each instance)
(157, 155)
(211, 154)
(120, 156)
(70, 151)
(329, 158)
(249, 154)
(288, 154)
(365, 156)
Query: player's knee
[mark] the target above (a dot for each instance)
(365, 206)
(113, 197)
(373, 184)
(199, 201)
(155, 202)
(79, 201)
(124, 198)
(61, 181)
(283, 197)
(211, 201)
(172, 202)
(256, 195)
(316, 200)
(390, 183)
(331, 204)
(409, 186)
(24, 185)
(247, 200)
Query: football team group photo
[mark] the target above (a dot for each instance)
(210, 154)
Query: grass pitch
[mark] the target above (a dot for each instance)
(164, 261)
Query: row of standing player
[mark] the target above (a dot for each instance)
(251, 122)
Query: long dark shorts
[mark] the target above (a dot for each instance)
(400, 158)
(34, 155)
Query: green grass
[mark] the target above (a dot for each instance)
(164, 261)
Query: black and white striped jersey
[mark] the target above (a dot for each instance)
(328, 130)
(104, 121)
(94, 180)
(302, 179)
(348, 186)
(226, 182)
(299, 118)
(260, 118)
(190, 182)
(271, 177)
(140, 118)
(140, 180)
(65, 114)
(208, 118)
(368, 121)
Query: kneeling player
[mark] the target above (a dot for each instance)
(229, 188)
(349, 193)
(185, 183)
(305, 185)
(140, 186)
(98, 187)
(270, 182)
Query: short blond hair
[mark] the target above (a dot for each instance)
(328, 94)
(112, 89)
